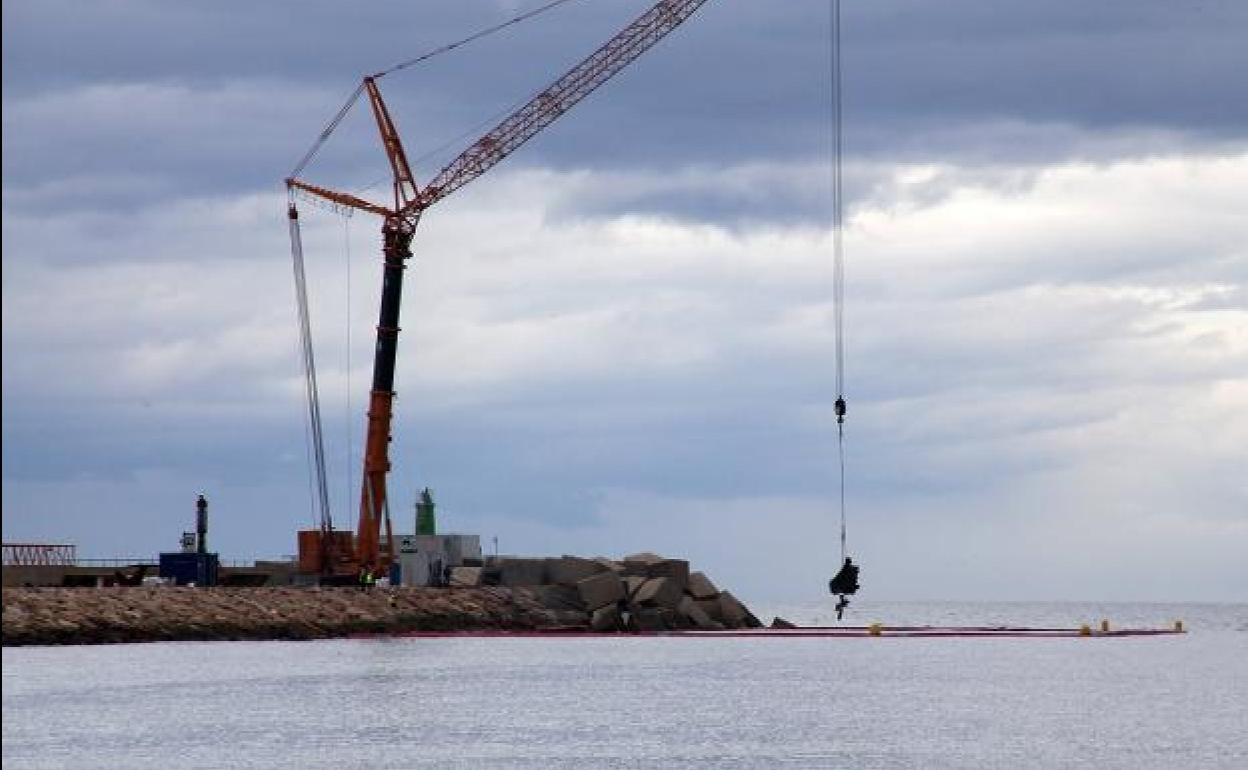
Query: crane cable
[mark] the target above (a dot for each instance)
(355, 95)
(838, 250)
(346, 237)
(311, 389)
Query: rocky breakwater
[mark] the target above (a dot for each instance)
(642, 593)
(166, 613)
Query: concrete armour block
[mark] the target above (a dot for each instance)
(600, 590)
(734, 612)
(659, 592)
(644, 556)
(516, 571)
(465, 577)
(710, 607)
(606, 618)
(694, 614)
(557, 597)
(671, 568)
(611, 564)
(639, 563)
(632, 583)
(701, 587)
(570, 570)
(647, 620)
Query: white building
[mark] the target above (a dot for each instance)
(424, 559)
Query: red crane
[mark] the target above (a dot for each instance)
(411, 200)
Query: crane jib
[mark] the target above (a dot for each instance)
(410, 202)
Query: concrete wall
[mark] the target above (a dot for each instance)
(424, 558)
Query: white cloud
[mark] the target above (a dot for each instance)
(1049, 368)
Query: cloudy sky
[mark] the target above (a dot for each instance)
(621, 338)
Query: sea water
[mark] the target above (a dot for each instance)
(1140, 702)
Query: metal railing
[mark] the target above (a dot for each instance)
(39, 554)
(64, 555)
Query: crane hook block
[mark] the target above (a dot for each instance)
(840, 409)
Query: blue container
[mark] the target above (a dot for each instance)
(396, 572)
(198, 568)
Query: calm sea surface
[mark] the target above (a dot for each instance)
(1151, 702)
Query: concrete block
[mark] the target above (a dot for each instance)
(647, 620)
(639, 563)
(690, 610)
(601, 589)
(632, 583)
(611, 564)
(570, 570)
(734, 612)
(710, 607)
(570, 619)
(516, 571)
(606, 618)
(673, 568)
(701, 587)
(465, 577)
(676, 619)
(659, 592)
(644, 556)
(556, 597)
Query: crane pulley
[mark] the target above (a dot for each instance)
(410, 200)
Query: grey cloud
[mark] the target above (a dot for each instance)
(646, 338)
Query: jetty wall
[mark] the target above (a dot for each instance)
(635, 595)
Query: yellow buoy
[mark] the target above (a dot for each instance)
(875, 629)
(1085, 630)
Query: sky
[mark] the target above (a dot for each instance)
(621, 338)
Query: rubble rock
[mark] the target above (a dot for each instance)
(779, 622)
(601, 589)
(611, 564)
(465, 577)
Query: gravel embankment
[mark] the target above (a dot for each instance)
(162, 613)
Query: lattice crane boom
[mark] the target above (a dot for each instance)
(546, 107)
(410, 201)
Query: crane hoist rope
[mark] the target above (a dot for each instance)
(845, 583)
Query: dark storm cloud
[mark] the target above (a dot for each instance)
(224, 97)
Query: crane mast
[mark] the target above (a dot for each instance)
(411, 200)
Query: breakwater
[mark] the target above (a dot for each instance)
(636, 595)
